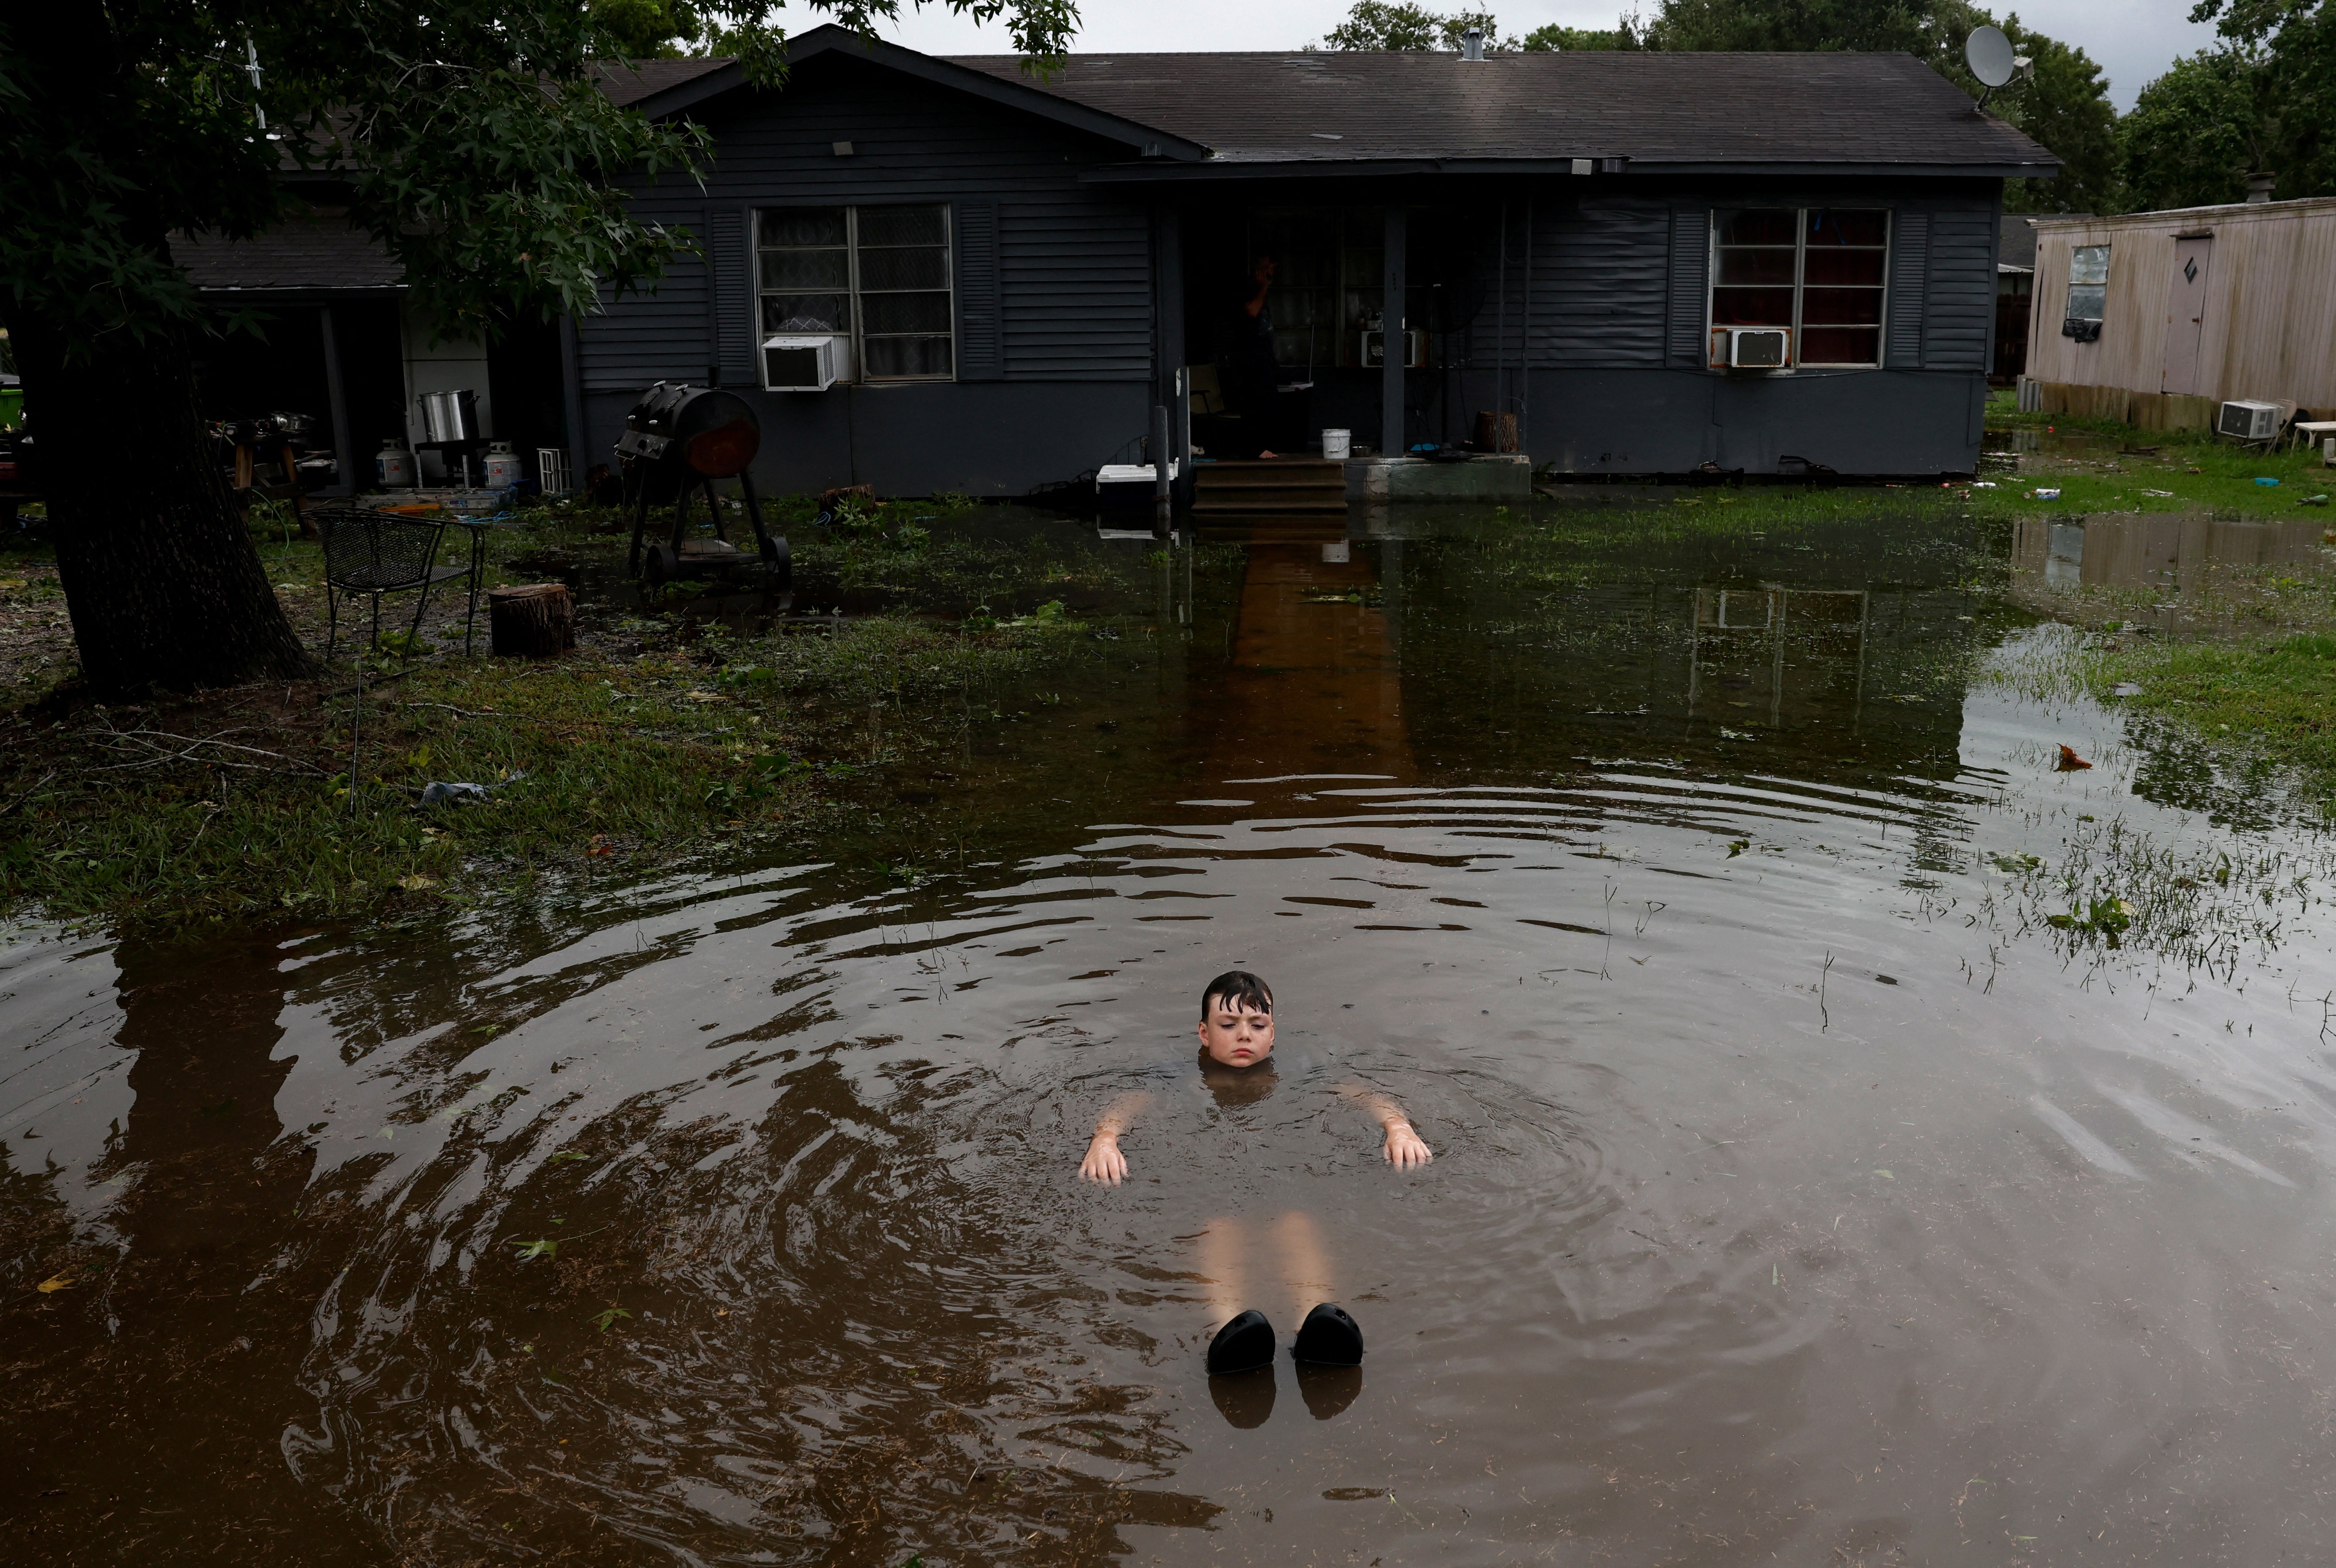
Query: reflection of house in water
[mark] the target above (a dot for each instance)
(2168, 552)
(1759, 648)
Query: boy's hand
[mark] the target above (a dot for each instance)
(1106, 1164)
(1404, 1148)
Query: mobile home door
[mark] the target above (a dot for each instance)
(2185, 316)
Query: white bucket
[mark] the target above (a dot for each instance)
(1338, 445)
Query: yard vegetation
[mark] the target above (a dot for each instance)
(672, 724)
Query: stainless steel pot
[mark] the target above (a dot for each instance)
(450, 416)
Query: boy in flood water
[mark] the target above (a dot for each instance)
(1236, 1064)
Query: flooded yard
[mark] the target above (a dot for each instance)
(1861, 1136)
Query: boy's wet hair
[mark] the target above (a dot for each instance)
(1240, 988)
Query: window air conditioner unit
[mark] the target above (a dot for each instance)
(2241, 420)
(1415, 350)
(798, 362)
(1759, 348)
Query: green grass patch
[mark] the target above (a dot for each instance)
(667, 734)
(2275, 700)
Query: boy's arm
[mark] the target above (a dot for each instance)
(1404, 1148)
(1104, 1162)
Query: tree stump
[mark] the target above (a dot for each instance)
(530, 621)
(1495, 431)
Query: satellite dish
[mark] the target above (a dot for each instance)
(1988, 54)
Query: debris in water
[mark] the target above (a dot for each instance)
(54, 1283)
(2070, 761)
(2124, 689)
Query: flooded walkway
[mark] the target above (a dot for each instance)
(1857, 1140)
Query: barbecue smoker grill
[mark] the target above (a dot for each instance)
(679, 439)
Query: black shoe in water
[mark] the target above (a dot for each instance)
(1329, 1337)
(1243, 1345)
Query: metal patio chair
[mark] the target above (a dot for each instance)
(372, 553)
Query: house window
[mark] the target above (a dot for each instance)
(2088, 282)
(1817, 271)
(876, 279)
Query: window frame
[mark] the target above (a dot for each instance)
(1719, 216)
(2069, 298)
(856, 341)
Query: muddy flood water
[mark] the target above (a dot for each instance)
(1803, 1192)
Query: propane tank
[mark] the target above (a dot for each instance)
(503, 466)
(393, 466)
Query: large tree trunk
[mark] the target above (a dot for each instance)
(164, 584)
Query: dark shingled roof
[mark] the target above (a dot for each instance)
(312, 253)
(631, 80)
(1652, 108)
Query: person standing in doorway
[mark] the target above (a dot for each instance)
(1254, 374)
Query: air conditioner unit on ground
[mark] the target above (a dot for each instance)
(798, 362)
(2243, 420)
(1758, 348)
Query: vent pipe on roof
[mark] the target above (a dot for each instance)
(2259, 188)
(1471, 44)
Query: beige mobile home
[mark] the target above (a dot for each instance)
(2155, 318)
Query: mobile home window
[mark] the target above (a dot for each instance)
(2088, 282)
(1817, 270)
(877, 278)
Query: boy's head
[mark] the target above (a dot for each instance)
(1237, 1019)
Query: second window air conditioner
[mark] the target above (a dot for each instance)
(798, 362)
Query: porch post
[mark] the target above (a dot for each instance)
(350, 477)
(1391, 336)
(571, 402)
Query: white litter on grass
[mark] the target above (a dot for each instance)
(2124, 689)
(2043, 495)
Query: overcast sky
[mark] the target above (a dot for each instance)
(2133, 39)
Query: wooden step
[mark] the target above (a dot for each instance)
(1279, 471)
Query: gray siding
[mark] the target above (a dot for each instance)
(1075, 291)
(1070, 285)
(643, 337)
(1602, 285)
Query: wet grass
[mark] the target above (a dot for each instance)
(2125, 469)
(2275, 700)
(667, 732)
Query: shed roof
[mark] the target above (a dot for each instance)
(315, 253)
(1660, 109)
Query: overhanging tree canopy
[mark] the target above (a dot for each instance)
(475, 147)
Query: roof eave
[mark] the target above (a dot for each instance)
(829, 38)
(1349, 168)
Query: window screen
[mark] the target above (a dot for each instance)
(904, 292)
(1819, 270)
(876, 277)
(2088, 282)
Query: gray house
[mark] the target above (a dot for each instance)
(949, 274)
